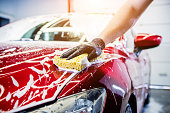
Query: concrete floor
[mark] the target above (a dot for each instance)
(159, 102)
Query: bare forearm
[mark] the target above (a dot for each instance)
(120, 23)
(125, 18)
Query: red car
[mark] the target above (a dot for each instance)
(30, 82)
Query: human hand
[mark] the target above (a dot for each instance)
(93, 49)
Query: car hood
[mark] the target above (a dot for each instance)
(25, 76)
(28, 76)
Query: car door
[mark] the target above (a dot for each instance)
(138, 66)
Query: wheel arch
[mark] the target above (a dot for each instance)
(133, 103)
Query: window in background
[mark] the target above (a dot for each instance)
(94, 6)
(3, 21)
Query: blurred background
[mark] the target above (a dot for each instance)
(155, 20)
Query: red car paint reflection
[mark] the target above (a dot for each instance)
(29, 78)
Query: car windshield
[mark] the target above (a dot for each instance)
(66, 27)
(60, 30)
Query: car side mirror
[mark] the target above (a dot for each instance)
(146, 41)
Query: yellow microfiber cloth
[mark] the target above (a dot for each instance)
(77, 63)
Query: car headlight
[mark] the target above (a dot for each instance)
(90, 101)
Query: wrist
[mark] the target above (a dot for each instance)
(99, 42)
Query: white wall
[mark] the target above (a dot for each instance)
(156, 19)
(39, 7)
(17, 9)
